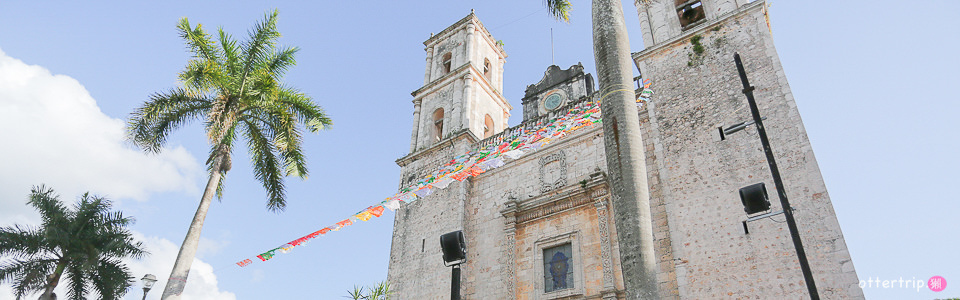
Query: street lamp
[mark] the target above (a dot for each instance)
(755, 195)
(148, 281)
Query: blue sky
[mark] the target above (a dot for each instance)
(871, 78)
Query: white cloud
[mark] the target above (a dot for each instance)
(54, 133)
(210, 247)
(202, 282)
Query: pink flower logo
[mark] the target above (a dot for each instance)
(937, 283)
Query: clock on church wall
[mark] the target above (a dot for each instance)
(552, 100)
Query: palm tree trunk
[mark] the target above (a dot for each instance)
(188, 250)
(623, 146)
(53, 281)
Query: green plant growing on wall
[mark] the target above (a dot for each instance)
(696, 58)
(719, 41)
(697, 46)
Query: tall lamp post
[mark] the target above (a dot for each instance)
(781, 192)
(148, 281)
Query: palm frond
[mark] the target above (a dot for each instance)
(27, 275)
(266, 167)
(220, 186)
(279, 62)
(198, 41)
(287, 142)
(111, 279)
(308, 113)
(356, 293)
(559, 9)
(231, 53)
(149, 125)
(281, 127)
(77, 278)
(206, 72)
(200, 76)
(380, 291)
(47, 202)
(22, 241)
(262, 40)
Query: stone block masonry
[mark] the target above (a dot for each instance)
(696, 176)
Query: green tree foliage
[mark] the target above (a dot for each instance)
(235, 89)
(85, 242)
(379, 291)
(559, 9)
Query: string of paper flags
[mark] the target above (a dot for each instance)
(513, 145)
(645, 94)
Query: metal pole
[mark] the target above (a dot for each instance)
(787, 211)
(455, 283)
(145, 290)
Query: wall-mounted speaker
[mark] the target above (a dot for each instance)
(754, 198)
(454, 247)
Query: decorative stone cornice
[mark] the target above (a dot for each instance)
(462, 72)
(567, 197)
(462, 134)
(470, 19)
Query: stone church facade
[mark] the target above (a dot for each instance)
(543, 226)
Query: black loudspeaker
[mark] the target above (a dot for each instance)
(453, 246)
(754, 198)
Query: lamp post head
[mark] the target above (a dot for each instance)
(148, 281)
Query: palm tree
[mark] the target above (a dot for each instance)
(623, 144)
(86, 243)
(379, 291)
(235, 88)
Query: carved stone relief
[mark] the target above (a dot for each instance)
(600, 198)
(553, 171)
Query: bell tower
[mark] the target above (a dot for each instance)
(695, 173)
(462, 86)
(663, 20)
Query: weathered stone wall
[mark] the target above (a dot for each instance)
(486, 104)
(476, 206)
(508, 214)
(464, 92)
(697, 176)
(449, 96)
(666, 263)
(490, 267)
(418, 226)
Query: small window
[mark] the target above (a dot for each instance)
(486, 69)
(558, 268)
(446, 62)
(488, 126)
(438, 124)
(689, 11)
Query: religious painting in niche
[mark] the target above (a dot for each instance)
(557, 268)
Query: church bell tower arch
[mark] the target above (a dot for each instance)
(464, 78)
